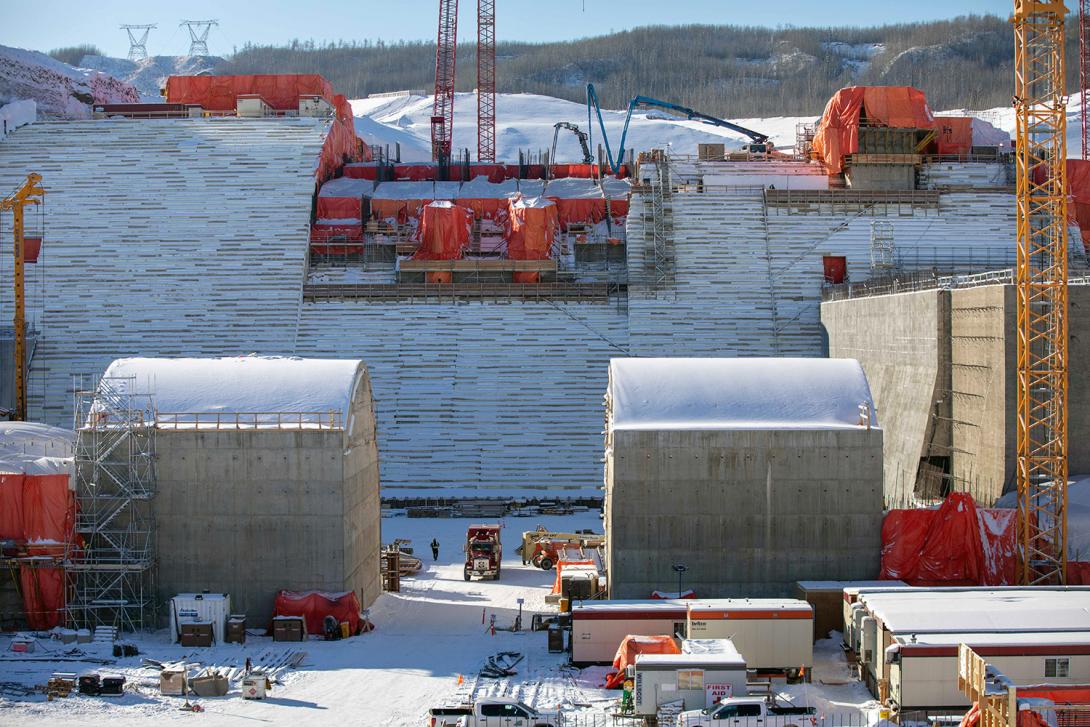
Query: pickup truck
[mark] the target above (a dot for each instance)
(497, 712)
(747, 712)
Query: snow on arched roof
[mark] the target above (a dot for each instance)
(243, 384)
(36, 449)
(737, 393)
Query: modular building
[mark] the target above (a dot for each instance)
(753, 473)
(773, 635)
(827, 600)
(906, 640)
(699, 679)
(599, 627)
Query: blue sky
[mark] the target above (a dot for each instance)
(46, 24)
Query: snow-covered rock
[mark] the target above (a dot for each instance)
(16, 114)
(60, 90)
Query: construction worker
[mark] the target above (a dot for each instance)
(434, 549)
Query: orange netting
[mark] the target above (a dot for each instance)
(838, 132)
(631, 647)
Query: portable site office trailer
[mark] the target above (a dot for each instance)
(849, 600)
(923, 674)
(699, 679)
(772, 634)
(599, 627)
(985, 616)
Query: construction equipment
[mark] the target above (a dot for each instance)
(1041, 290)
(484, 552)
(759, 143)
(581, 135)
(30, 193)
(442, 115)
(544, 549)
(486, 80)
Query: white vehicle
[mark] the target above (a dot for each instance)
(747, 712)
(497, 712)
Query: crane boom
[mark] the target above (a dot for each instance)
(647, 102)
(29, 193)
(486, 80)
(581, 135)
(442, 115)
(1041, 290)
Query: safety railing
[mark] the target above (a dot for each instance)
(250, 420)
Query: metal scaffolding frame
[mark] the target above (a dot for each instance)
(110, 574)
(1041, 289)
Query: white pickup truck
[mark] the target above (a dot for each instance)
(496, 712)
(747, 712)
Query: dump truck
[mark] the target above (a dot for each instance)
(748, 712)
(495, 712)
(484, 552)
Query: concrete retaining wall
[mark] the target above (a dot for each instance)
(748, 512)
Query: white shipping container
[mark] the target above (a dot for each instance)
(199, 608)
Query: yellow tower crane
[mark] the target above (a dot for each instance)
(1040, 105)
(30, 193)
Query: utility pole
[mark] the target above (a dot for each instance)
(138, 41)
(198, 35)
(30, 193)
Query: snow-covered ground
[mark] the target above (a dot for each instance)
(59, 89)
(426, 637)
(150, 74)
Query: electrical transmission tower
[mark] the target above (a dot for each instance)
(442, 115)
(138, 40)
(198, 35)
(1041, 289)
(486, 80)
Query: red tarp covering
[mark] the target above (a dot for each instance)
(361, 170)
(220, 93)
(838, 131)
(957, 544)
(531, 230)
(314, 606)
(631, 647)
(43, 596)
(1078, 186)
(416, 172)
(954, 135)
(48, 508)
(579, 211)
(444, 232)
(341, 143)
(11, 507)
(1078, 573)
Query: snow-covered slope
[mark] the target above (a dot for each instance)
(150, 74)
(525, 121)
(59, 89)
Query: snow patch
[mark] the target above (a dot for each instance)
(59, 89)
(16, 114)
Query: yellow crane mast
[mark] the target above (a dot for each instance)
(1041, 287)
(30, 193)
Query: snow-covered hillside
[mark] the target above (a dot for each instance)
(150, 74)
(58, 89)
(525, 121)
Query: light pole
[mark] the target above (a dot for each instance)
(679, 568)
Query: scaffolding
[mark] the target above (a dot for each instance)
(110, 574)
(662, 227)
(883, 257)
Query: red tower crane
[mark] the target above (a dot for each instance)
(1084, 72)
(486, 80)
(442, 115)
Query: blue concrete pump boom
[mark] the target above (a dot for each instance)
(648, 102)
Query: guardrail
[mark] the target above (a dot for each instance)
(406, 291)
(250, 420)
(925, 281)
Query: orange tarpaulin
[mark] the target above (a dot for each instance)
(838, 131)
(954, 135)
(532, 229)
(957, 544)
(1078, 186)
(220, 93)
(444, 232)
(631, 647)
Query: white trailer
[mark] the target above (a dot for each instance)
(599, 627)
(701, 680)
(211, 608)
(772, 634)
(923, 673)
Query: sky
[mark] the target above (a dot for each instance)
(47, 24)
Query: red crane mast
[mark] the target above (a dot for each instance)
(442, 116)
(486, 80)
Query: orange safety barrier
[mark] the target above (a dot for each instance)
(838, 131)
(631, 647)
